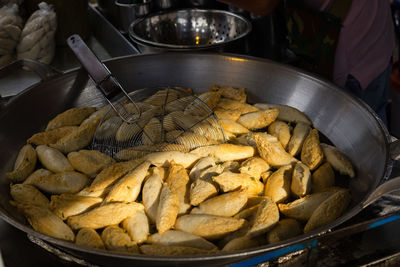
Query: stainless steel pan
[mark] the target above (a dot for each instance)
(346, 121)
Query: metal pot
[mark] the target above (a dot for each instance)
(346, 121)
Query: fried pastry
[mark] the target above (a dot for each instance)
(322, 178)
(163, 159)
(127, 188)
(178, 182)
(60, 183)
(179, 238)
(194, 140)
(233, 127)
(102, 216)
(286, 113)
(311, 153)
(66, 205)
(200, 166)
(89, 162)
(137, 226)
(278, 184)
(266, 217)
(204, 187)
(151, 192)
(44, 221)
(197, 107)
(254, 167)
(51, 136)
(70, 117)
(338, 160)
(28, 194)
(224, 114)
(230, 104)
(24, 164)
(281, 131)
(258, 119)
(168, 209)
(271, 150)
(116, 239)
(89, 238)
(225, 152)
(152, 132)
(329, 210)
(296, 141)
(301, 180)
(108, 129)
(53, 159)
(229, 92)
(208, 226)
(227, 204)
(240, 243)
(229, 181)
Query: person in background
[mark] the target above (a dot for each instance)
(350, 42)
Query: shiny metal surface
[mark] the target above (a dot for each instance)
(165, 4)
(346, 121)
(189, 29)
(128, 12)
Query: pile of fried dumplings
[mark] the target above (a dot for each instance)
(268, 180)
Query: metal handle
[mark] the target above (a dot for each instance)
(102, 77)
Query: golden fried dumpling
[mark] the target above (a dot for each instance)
(240, 243)
(161, 250)
(104, 215)
(280, 130)
(37, 173)
(89, 238)
(163, 159)
(311, 152)
(70, 117)
(301, 180)
(104, 112)
(127, 188)
(115, 239)
(152, 132)
(110, 174)
(227, 204)
(24, 164)
(204, 187)
(302, 208)
(210, 129)
(224, 114)
(338, 160)
(329, 210)
(28, 194)
(271, 150)
(51, 136)
(296, 141)
(230, 181)
(200, 166)
(233, 127)
(230, 92)
(254, 166)
(178, 182)
(286, 113)
(60, 183)
(266, 217)
(277, 186)
(284, 229)
(249, 213)
(179, 238)
(53, 159)
(168, 209)
(322, 178)
(151, 192)
(162, 97)
(178, 104)
(225, 152)
(258, 119)
(44, 221)
(66, 205)
(137, 226)
(230, 104)
(89, 162)
(78, 139)
(208, 226)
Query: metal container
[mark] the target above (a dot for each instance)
(128, 12)
(190, 30)
(166, 4)
(346, 121)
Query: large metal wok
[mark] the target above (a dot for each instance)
(347, 122)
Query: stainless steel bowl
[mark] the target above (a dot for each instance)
(129, 12)
(189, 30)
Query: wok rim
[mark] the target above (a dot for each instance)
(243, 254)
